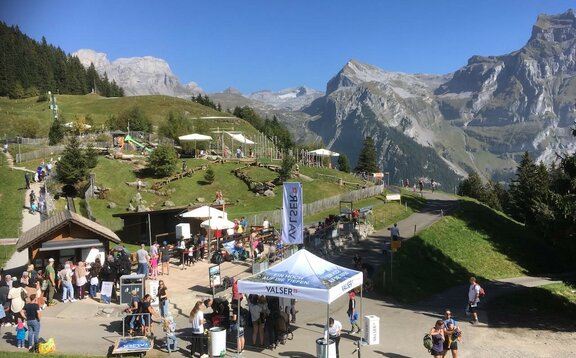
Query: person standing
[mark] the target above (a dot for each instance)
(95, 268)
(473, 299)
(163, 298)
(165, 258)
(334, 330)
(437, 334)
(27, 179)
(32, 314)
(80, 277)
(352, 312)
(65, 276)
(452, 334)
(197, 320)
(395, 232)
(51, 281)
(20, 333)
(143, 259)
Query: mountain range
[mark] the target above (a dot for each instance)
(480, 118)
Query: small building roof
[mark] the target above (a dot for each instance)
(56, 222)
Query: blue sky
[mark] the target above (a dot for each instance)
(255, 44)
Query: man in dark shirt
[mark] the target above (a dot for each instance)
(145, 306)
(32, 314)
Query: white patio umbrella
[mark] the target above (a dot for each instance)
(194, 137)
(217, 224)
(205, 212)
(324, 153)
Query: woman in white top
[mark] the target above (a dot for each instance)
(197, 320)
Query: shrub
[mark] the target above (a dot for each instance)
(162, 162)
(209, 176)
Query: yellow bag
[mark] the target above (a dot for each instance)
(47, 347)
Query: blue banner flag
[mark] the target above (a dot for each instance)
(292, 215)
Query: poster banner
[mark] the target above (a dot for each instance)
(292, 215)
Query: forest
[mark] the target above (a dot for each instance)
(29, 68)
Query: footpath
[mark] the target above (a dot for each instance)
(89, 328)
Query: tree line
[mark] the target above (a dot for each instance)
(539, 196)
(29, 68)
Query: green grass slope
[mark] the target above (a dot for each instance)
(27, 116)
(475, 240)
(113, 174)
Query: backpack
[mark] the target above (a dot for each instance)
(427, 341)
(23, 294)
(482, 292)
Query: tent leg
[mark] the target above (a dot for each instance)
(238, 329)
(361, 320)
(326, 335)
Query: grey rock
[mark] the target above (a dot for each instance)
(141, 208)
(201, 200)
(131, 207)
(168, 203)
(111, 205)
(136, 198)
(269, 193)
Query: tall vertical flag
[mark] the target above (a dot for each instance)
(292, 215)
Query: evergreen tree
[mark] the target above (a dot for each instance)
(343, 164)
(72, 167)
(529, 191)
(367, 159)
(91, 156)
(285, 172)
(162, 161)
(209, 176)
(56, 133)
(472, 187)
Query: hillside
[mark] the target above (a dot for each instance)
(475, 240)
(30, 118)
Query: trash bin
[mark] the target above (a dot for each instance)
(321, 348)
(217, 342)
(129, 283)
(372, 329)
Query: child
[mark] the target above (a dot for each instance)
(154, 265)
(20, 333)
(171, 340)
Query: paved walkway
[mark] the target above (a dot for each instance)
(401, 326)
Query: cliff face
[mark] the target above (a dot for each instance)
(139, 75)
(479, 118)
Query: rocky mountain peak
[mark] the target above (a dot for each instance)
(555, 28)
(139, 75)
(232, 90)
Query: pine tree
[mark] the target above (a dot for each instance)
(209, 176)
(72, 167)
(367, 162)
(56, 133)
(286, 169)
(343, 164)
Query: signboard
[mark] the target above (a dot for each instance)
(292, 215)
(107, 288)
(214, 276)
(153, 291)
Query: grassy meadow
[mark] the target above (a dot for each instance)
(474, 240)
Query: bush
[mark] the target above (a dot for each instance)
(209, 176)
(162, 162)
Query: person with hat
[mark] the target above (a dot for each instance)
(51, 280)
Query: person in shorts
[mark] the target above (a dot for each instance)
(473, 299)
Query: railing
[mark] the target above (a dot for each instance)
(40, 153)
(275, 216)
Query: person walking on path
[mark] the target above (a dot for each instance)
(334, 330)
(452, 334)
(143, 259)
(473, 299)
(32, 314)
(437, 333)
(352, 312)
(51, 281)
(395, 232)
